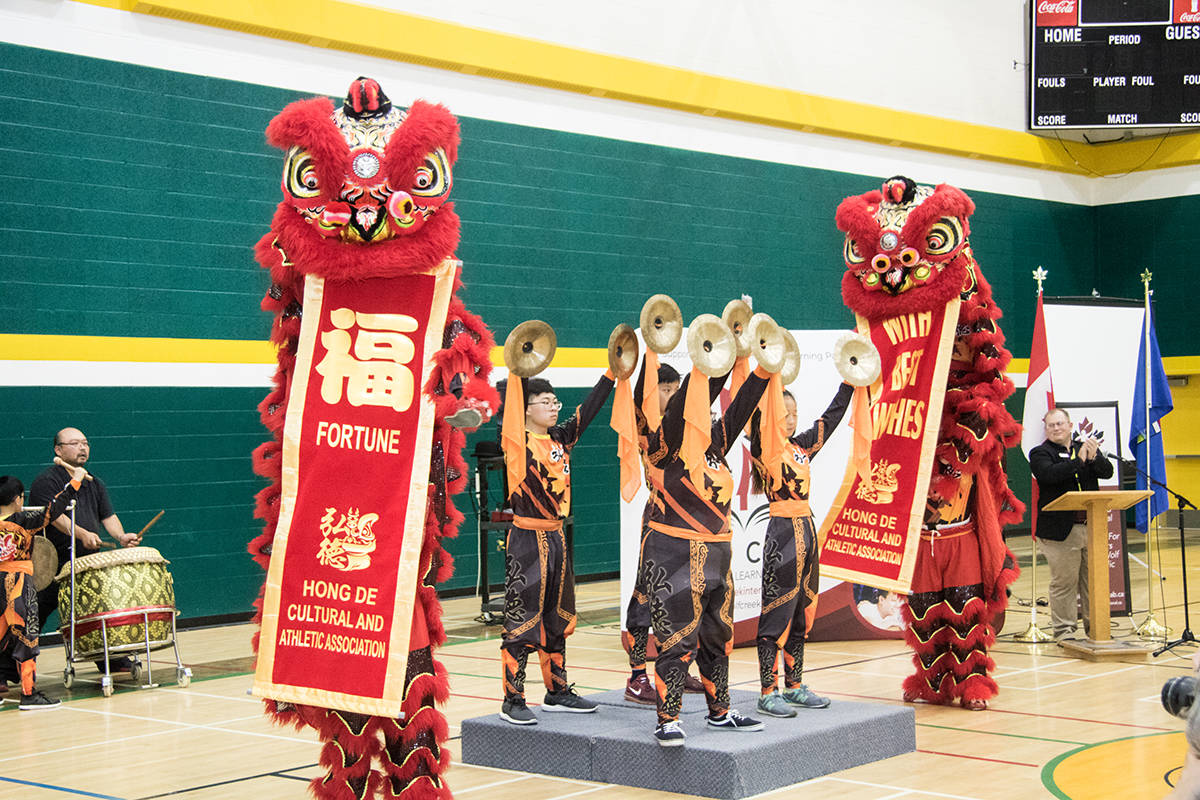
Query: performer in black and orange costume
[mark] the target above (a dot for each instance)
(638, 688)
(539, 582)
(686, 559)
(789, 556)
(19, 623)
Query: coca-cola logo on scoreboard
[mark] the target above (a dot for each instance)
(1185, 11)
(1051, 13)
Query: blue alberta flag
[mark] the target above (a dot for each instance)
(1160, 405)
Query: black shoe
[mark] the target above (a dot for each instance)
(120, 664)
(669, 734)
(567, 700)
(37, 701)
(733, 720)
(515, 711)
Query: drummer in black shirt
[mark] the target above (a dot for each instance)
(93, 511)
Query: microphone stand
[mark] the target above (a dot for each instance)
(1186, 635)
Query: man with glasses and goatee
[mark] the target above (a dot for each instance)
(93, 514)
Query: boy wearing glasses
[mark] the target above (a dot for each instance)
(539, 582)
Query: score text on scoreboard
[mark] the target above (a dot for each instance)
(1114, 64)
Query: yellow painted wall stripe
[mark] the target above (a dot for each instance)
(53, 347)
(412, 39)
(30, 347)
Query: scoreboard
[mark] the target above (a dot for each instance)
(1114, 64)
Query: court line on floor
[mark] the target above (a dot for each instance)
(979, 758)
(278, 773)
(64, 790)
(181, 726)
(492, 785)
(998, 733)
(832, 779)
(993, 710)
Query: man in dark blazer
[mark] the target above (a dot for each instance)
(1060, 465)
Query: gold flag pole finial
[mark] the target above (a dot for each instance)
(1039, 275)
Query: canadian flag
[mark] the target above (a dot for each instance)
(1039, 397)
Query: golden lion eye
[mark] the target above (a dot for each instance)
(944, 237)
(851, 252)
(433, 176)
(300, 174)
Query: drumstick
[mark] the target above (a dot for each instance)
(150, 523)
(87, 476)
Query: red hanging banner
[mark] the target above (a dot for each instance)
(871, 532)
(340, 590)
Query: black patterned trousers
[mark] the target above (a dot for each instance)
(789, 590)
(637, 613)
(539, 607)
(691, 608)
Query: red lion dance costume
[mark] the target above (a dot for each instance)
(365, 189)
(907, 251)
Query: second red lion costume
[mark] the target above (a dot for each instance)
(907, 251)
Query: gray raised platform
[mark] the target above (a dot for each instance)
(616, 745)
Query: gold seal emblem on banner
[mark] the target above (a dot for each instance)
(347, 543)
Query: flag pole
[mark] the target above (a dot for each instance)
(1151, 628)
(1033, 634)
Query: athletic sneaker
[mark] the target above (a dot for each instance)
(515, 711)
(641, 690)
(734, 720)
(37, 701)
(773, 705)
(669, 734)
(693, 685)
(803, 697)
(567, 700)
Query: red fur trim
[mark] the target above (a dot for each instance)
(875, 305)
(329, 788)
(308, 124)
(335, 260)
(946, 201)
(427, 127)
(421, 788)
(977, 687)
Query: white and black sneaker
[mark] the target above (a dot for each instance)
(567, 700)
(734, 720)
(515, 711)
(37, 702)
(670, 734)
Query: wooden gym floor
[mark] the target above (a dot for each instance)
(1060, 727)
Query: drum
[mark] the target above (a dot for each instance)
(45, 562)
(122, 588)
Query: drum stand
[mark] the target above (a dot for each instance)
(183, 675)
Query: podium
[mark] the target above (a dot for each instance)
(1097, 505)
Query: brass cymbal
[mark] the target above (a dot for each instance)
(737, 316)
(857, 359)
(767, 342)
(711, 346)
(622, 351)
(791, 359)
(661, 323)
(529, 349)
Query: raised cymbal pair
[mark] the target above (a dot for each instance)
(530, 348)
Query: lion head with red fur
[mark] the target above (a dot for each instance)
(906, 247)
